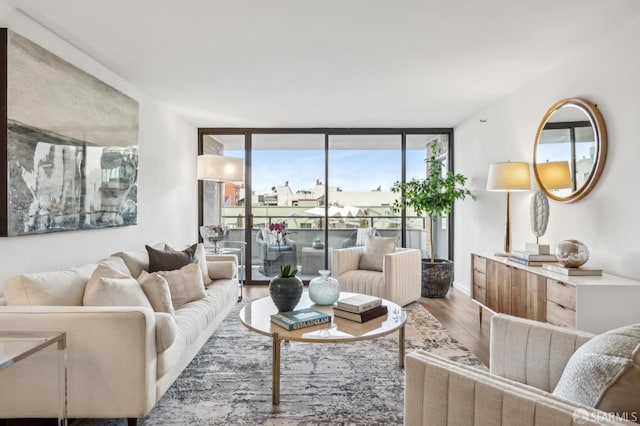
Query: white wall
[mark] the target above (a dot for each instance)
(167, 190)
(607, 219)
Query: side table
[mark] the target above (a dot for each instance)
(239, 251)
(18, 345)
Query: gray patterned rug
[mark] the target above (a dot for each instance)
(229, 381)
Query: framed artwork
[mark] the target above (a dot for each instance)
(69, 148)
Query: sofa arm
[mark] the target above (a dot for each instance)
(531, 352)
(402, 276)
(344, 260)
(111, 362)
(441, 392)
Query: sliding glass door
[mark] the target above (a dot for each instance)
(323, 189)
(362, 170)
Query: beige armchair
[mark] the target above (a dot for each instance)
(399, 281)
(527, 360)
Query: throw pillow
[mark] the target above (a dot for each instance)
(169, 260)
(604, 373)
(56, 288)
(374, 250)
(362, 234)
(108, 287)
(185, 284)
(156, 288)
(200, 257)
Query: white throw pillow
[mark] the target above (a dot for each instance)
(200, 257)
(185, 284)
(222, 269)
(108, 287)
(363, 234)
(156, 288)
(374, 251)
(604, 373)
(57, 288)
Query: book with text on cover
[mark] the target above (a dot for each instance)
(358, 303)
(301, 318)
(559, 269)
(365, 316)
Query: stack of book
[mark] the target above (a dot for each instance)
(360, 308)
(531, 259)
(301, 318)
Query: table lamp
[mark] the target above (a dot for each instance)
(508, 177)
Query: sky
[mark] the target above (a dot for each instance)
(350, 170)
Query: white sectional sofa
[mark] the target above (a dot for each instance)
(121, 359)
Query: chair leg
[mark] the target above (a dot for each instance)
(132, 421)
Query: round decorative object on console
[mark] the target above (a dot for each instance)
(572, 253)
(324, 290)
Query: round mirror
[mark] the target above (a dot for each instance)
(570, 150)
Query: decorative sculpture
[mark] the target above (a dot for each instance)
(539, 212)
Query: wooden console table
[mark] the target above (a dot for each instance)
(589, 303)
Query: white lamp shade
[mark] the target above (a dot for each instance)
(220, 168)
(509, 177)
(554, 174)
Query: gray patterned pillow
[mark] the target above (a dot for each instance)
(374, 250)
(604, 373)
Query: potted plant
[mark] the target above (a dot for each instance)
(433, 196)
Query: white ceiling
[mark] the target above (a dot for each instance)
(342, 63)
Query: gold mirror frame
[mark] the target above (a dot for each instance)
(600, 133)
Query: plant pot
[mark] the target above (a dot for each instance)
(285, 292)
(437, 277)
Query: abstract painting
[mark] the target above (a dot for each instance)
(70, 158)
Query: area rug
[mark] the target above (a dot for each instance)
(360, 383)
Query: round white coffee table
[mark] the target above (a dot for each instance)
(256, 316)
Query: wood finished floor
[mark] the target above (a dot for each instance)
(457, 313)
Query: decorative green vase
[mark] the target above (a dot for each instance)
(285, 292)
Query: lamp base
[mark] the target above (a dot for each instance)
(502, 254)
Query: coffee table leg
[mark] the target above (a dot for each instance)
(401, 345)
(275, 390)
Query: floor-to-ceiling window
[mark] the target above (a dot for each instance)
(329, 187)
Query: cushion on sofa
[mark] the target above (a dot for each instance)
(200, 257)
(165, 331)
(169, 260)
(117, 263)
(374, 250)
(56, 288)
(136, 261)
(605, 372)
(156, 288)
(108, 287)
(221, 269)
(185, 284)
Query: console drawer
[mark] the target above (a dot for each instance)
(480, 294)
(480, 264)
(479, 279)
(561, 293)
(560, 315)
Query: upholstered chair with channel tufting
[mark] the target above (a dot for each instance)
(540, 374)
(379, 269)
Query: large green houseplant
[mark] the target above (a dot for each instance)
(434, 197)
